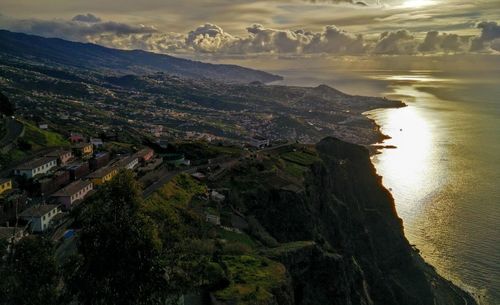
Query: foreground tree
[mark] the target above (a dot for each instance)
(122, 259)
(29, 274)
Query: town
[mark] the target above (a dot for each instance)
(41, 191)
(38, 195)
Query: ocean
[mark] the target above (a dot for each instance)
(445, 172)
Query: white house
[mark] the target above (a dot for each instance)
(129, 162)
(36, 167)
(40, 216)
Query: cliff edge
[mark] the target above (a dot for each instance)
(323, 213)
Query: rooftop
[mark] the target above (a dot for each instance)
(57, 153)
(101, 154)
(38, 210)
(36, 163)
(3, 180)
(126, 160)
(102, 172)
(143, 152)
(72, 189)
(76, 165)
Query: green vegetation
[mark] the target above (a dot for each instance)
(29, 274)
(293, 169)
(38, 138)
(180, 190)
(252, 279)
(237, 238)
(202, 151)
(126, 254)
(301, 158)
(287, 248)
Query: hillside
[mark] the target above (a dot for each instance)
(59, 52)
(341, 246)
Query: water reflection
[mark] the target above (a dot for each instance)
(409, 164)
(442, 175)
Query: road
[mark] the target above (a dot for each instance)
(14, 129)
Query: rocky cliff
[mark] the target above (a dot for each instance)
(323, 213)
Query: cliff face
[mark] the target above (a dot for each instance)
(340, 237)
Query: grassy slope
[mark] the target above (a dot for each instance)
(252, 279)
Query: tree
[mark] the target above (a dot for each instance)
(121, 255)
(6, 106)
(29, 274)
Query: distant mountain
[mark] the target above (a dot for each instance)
(54, 51)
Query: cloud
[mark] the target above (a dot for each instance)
(208, 38)
(396, 43)
(80, 28)
(213, 39)
(87, 18)
(435, 42)
(490, 33)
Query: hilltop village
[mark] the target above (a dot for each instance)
(38, 194)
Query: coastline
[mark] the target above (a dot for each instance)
(378, 149)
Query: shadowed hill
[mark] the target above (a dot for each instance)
(56, 51)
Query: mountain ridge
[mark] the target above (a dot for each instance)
(95, 57)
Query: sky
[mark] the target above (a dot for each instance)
(295, 28)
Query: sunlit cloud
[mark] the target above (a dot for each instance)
(286, 27)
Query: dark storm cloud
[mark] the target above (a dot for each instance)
(436, 42)
(80, 28)
(490, 37)
(396, 43)
(87, 18)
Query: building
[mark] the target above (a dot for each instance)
(10, 205)
(5, 185)
(73, 193)
(212, 218)
(97, 142)
(258, 142)
(63, 156)
(78, 170)
(39, 217)
(145, 154)
(76, 138)
(103, 175)
(83, 149)
(51, 184)
(216, 196)
(128, 162)
(99, 160)
(36, 167)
